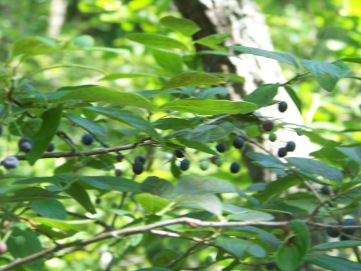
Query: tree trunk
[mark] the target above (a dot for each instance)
(246, 24)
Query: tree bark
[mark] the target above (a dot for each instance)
(247, 26)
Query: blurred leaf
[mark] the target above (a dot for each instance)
(209, 107)
(213, 39)
(333, 263)
(316, 167)
(170, 61)
(197, 146)
(116, 76)
(187, 79)
(157, 186)
(172, 124)
(282, 57)
(49, 208)
(111, 183)
(156, 41)
(181, 25)
(84, 41)
(154, 269)
(352, 59)
(88, 125)
(326, 74)
(32, 46)
(50, 122)
(30, 244)
(294, 250)
(263, 95)
(100, 94)
(151, 203)
(128, 118)
(336, 245)
(78, 193)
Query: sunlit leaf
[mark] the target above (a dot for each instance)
(182, 25)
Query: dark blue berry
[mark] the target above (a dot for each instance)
(325, 190)
(119, 157)
(51, 147)
(87, 139)
(282, 106)
(238, 142)
(140, 159)
(221, 147)
(98, 200)
(270, 266)
(118, 172)
(184, 165)
(332, 232)
(10, 162)
(25, 144)
(290, 146)
(235, 167)
(267, 125)
(349, 222)
(138, 168)
(179, 153)
(282, 152)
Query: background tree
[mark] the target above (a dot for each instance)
(120, 147)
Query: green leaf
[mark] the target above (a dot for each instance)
(78, 193)
(154, 269)
(200, 146)
(316, 167)
(172, 124)
(333, 263)
(181, 25)
(168, 60)
(64, 225)
(336, 245)
(88, 125)
(188, 79)
(157, 186)
(353, 153)
(33, 193)
(294, 98)
(30, 244)
(202, 185)
(100, 94)
(50, 122)
(214, 38)
(116, 76)
(239, 247)
(156, 41)
(326, 74)
(151, 204)
(111, 183)
(282, 57)
(265, 160)
(212, 92)
(49, 208)
(127, 117)
(32, 46)
(209, 107)
(352, 59)
(251, 215)
(263, 95)
(210, 133)
(294, 250)
(208, 203)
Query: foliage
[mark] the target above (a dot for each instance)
(124, 195)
